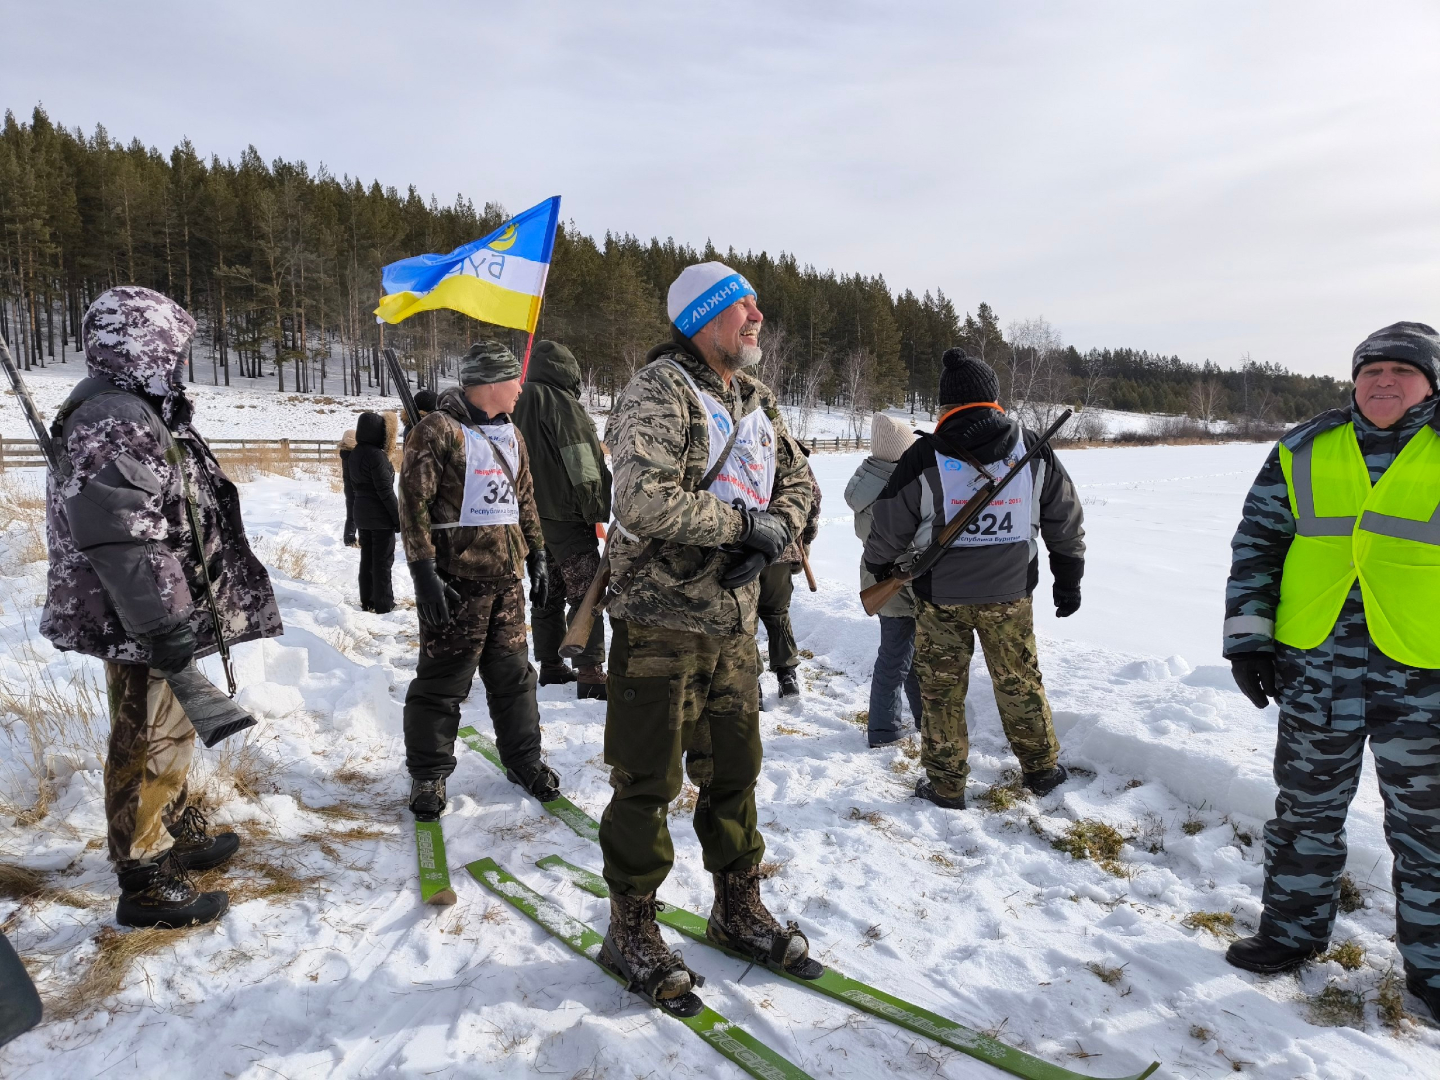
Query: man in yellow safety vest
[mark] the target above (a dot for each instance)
(1331, 611)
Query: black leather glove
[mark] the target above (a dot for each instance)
(433, 596)
(1255, 676)
(764, 533)
(538, 566)
(171, 650)
(745, 570)
(350, 540)
(1067, 601)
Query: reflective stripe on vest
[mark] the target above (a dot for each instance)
(1388, 536)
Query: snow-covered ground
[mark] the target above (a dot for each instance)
(253, 412)
(328, 965)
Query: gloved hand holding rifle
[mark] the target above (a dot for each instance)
(214, 716)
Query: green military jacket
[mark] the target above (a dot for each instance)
(572, 481)
(432, 488)
(659, 449)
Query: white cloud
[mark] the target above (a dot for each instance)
(1198, 178)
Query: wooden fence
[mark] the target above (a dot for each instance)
(25, 453)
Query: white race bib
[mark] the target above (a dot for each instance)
(489, 495)
(746, 479)
(1004, 521)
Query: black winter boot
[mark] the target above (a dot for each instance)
(160, 893)
(556, 674)
(537, 778)
(789, 682)
(1430, 995)
(195, 847)
(1046, 780)
(635, 951)
(427, 798)
(1266, 957)
(926, 790)
(591, 686)
(742, 923)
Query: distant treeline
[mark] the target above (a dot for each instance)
(281, 267)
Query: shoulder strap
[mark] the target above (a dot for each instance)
(499, 455)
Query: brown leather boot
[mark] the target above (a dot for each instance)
(741, 923)
(635, 951)
(591, 684)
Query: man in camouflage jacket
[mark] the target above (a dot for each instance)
(684, 667)
(125, 585)
(1335, 695)
(467, 579)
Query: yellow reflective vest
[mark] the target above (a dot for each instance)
(1387, 535)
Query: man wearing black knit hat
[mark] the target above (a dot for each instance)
(982, 585)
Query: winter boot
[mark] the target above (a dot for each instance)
(195, 848)
(1046, 780)
(1430, 995)
(160, 893)
(556, 674)
(741, 923)
(1267, 957)
(427, 798)
(789, 683)
(926, 790)
(537, 778)
(591, 684)
(635, 951)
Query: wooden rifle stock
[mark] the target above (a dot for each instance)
(809, 574)
(578, 635)
(882, 592)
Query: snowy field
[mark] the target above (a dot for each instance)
(328, 965)
(254, 412)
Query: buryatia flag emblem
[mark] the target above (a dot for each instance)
(497, 279)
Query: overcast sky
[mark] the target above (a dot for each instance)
(1207, 179)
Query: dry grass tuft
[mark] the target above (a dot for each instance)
(289, 558)
(346, 642)
(62, 721)
(770, 867)
(115, 952)
(685, 802)
(1090, 839)
(22, 519)
(1348, 954)
(1390, 1002)
(1110, 976)
(1336, 1007)
(998, 798)
(241, 765)
(1192, 826)
(870, 817)
(1351, 898)
(22, 883)
(860, 719)
(1219, 923)
(342, 810)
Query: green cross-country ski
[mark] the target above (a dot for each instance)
(580, 822)
(733, 1042)
(434, 870)
(855, 994)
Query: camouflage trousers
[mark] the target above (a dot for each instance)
(1334, 698)
(674, 695)
(151, 744)
(944, 645)
(569, 581)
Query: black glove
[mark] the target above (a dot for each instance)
(1067, 601)
(745, 570)
(764, 533)
(433, 596)
(350, 540)
(171, 650)
(1255, 676)
(538, 567)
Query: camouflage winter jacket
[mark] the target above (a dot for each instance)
(432, 488)
(122, 563)
(1267, 525)
(659, 448)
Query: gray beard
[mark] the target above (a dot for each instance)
(748, 356)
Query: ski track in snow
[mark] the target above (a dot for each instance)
(972, 914)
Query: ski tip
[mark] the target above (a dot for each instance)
(442, 898)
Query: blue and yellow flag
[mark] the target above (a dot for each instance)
(497, 279)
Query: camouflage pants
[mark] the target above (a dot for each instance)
(1334, 698)
(675, 694)
(569, 581)
(151, 744)
(944, 645)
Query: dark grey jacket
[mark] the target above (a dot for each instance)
(860, 495)
(910, 511)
